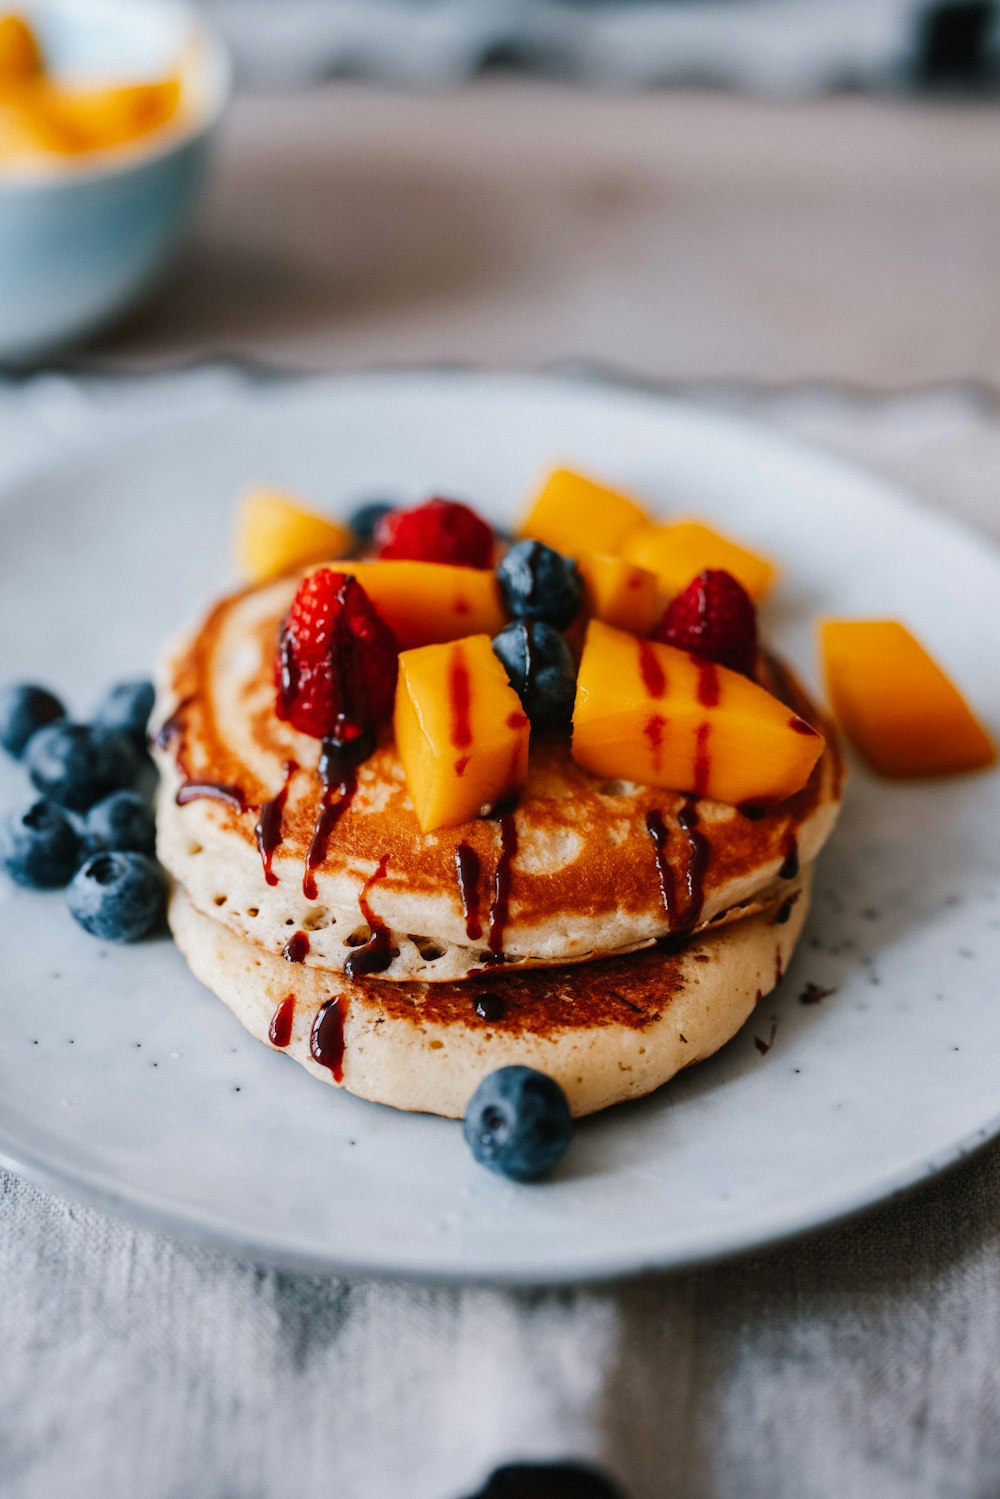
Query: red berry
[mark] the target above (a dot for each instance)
(438, 531)
(714, 617)
(336, 664)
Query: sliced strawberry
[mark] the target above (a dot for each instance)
(438, 531)
(336, 663)
(714, 617)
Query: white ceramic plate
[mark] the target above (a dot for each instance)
(124, 1082)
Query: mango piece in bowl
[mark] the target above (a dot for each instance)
(676, 551)
(654, 714)
(424, 603)
(895, 704)
(41, 115)
(275, 532)
(461, 732)
(571, 512)
(619, 592)
(20, 54)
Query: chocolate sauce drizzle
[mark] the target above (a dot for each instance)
(790, 849)
(218, 791)
(489, 1006)
(280, 1032)
(467, 869)
(338, 762)
(296, 948)
(682, 908)
(378, 952)
(500, 907)
(268, 831)
(173, 727)
(326, 1039)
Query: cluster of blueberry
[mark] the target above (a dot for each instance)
(543, 590)
(90, 828)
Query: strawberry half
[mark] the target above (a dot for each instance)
(335, 668)
(714, 617)
(438, 531)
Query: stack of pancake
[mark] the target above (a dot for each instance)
(606, 933)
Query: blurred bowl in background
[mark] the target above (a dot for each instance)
(82, 238)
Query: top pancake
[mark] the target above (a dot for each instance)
(584, 879)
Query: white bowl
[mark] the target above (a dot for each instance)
(81, 240)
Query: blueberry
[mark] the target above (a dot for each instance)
(24, 709)
(518, 1123)
(123, 820)
(38, 846)
(548, 1481)
(126, 708)
(77, 764)
(539, 583)
(540, 669)
(118, 897)
(365, 518)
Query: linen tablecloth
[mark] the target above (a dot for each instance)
(863, 1361)
(683, 238)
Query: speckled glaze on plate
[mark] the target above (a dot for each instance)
(125, 1083)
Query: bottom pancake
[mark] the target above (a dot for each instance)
(607, 1031)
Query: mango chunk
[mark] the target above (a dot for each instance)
(20, 54)
(571, 512)
(424, 603)
(895, 704)
(461, 732)
(619, 592)
(275, 533)
(651, 713)
(676, 551)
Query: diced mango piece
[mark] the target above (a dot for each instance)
(676, 551)
(275, 532)
(571, 513)
(895, 704)
(619, 592)
(652, 713)
(20, 54)
(461, 732)
(428, 602)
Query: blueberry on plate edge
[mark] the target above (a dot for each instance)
(77, 764)
(118, 896)
(39, 848)
(126, 708)
(121, 822)
(24, 709)
(518, 1123)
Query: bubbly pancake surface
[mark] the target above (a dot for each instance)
(594, 867)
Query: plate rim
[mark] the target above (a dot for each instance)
(195, 1228)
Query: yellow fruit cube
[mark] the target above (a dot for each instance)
(619, 592)
(571, 513)
(676, 551)
(895, 704)
(426, 602)
(275, 533)
(461, 732)
(651, 713)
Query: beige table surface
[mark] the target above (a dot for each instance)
(693, 236)
(722, 246)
